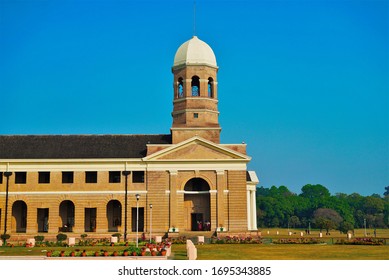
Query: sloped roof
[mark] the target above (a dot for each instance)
(78, 146)
(252, 177)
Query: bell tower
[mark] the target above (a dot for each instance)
(195, 110)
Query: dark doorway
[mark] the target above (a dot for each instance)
(197, 205)
(141, 219)
(114, 215)
(66, 212)
(19, 215)
(90, 219)
(197, 222)
(43, 219)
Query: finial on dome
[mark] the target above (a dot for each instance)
(194, 18)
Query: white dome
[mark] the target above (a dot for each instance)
(195, 51)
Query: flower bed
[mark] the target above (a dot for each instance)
(149, 249)
(236, 240)
(298, 241)
(360, 241)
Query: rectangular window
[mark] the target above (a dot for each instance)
(138, 177)
(195, 115)
(1, 177)
(67, 177)
(20, 177)
(91, 177)
(114, 176)
(44, 178)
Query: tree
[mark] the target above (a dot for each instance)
(346, 226)
(315, 192)
(294, 221)
(373, 205)
(327, 219)
(340, 204)
(317, 195)
(275, 206)
(386, 193)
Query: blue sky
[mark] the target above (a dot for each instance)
(303, 83)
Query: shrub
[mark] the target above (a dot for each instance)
(39, 238)
(61, 237)
(4, 237)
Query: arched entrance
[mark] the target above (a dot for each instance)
(19, 216)
(114, 215)
(66, 212)
(197, 205)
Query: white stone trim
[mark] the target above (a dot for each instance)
(196, 192)
(195, 128)
(74, 192)
(194, 111)
(33, 165)
(193, 166)
(196, 139)
(196, 98)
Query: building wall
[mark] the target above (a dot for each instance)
(163, 188)
(237, 217)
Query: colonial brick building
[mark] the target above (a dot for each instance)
(183, 181)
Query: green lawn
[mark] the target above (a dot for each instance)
(284, 252)
(242, 251)
(254, 251)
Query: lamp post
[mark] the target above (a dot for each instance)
(364, 223)
(137, 196)
(151, 219)
(125, 173)
(7, 174)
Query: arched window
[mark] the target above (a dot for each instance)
(210, 87)
(195, 86)
(180, 88)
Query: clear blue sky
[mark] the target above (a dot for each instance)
(303, 83)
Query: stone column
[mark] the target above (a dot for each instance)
(248, 209)
(79, 218)
(221, 186)
(253, 211)
(32, 216)
(54, 219)
(188, 87)
(204, 87)
(101, 218)
(213, 209)
(173, 198)
(214, 89)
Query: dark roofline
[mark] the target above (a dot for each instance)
(78, 146)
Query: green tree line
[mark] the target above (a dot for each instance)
(316, 207)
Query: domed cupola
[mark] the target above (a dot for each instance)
(194, 52)
(195, 100)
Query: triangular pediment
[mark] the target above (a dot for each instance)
(196, 148)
